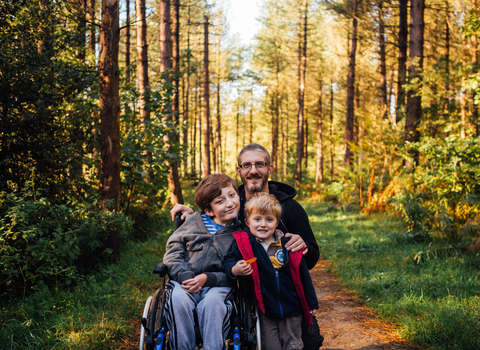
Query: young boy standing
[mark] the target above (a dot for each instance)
(194, 257)
(283, 287)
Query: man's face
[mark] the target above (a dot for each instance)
(254, 179)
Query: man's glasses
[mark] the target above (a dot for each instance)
(258, 165)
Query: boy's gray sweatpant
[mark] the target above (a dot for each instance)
(213, 306)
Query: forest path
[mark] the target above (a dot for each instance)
(347, 324)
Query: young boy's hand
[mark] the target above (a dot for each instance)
(241, 268)
(193, 285)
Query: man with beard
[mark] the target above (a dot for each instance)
(254, 169)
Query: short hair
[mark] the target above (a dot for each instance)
(254, 147)
(264, 203)
(210, 188)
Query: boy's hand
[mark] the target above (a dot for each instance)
(193, 285)
(241, 268)
(295, 243)
(180, 208)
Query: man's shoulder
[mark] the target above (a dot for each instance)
(281, 191)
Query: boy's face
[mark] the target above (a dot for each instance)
(225, 207)
(261, 225)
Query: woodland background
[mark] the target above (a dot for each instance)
(112, 111)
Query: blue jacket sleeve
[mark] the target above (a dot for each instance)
(232, 257)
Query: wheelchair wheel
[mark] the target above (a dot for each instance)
(154, 320)
(155, 315)
(142, 330)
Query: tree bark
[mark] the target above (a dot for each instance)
(110, 112)
(206, 102)
(176, 64)
(447, 59)
(127, 44)
(319, 164)
(351, 90)
(402, 59)
(383, 66)
(332, 145)
(92, 41)
(302, 67)
(142, 75)
(186, 110)
(414, 103)
(218, 136)
(166, 68)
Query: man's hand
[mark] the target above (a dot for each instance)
(193, 285)
(180, 208)
(295, 243)
(241, 268)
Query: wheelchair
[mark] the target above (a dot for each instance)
(245, 325)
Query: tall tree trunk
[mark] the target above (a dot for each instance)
(402, 59)
(186, 110)
(218, 138)
(447, 59)
(93, 28)
(250, 134)
(383, 66)
(93, 44)
(414, 102)
(319, 164)
(166, 68)
(285, 137)
(82, 29)
(81, 54)
(276, 112)
(351, 90)
(142, 76)
(176, 73)
(475, 67)
(109, 74)
(127, 44)
(305, 142)
(302, 68)
(206, 102)
(193, 145)
(463, 99)
(332, 144)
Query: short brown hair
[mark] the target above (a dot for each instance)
(254, 147)
(264, 203)
(210, 188)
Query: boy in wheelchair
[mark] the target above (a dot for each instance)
(282, 284)
(194, 257)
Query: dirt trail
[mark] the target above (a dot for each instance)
(346, 324)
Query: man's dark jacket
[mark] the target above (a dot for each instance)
(294, 218)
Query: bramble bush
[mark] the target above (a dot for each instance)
(442, 196)
(46, 245)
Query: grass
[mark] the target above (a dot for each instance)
(102, 312)
(434, 300)
(426, 287)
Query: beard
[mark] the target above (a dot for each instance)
(253, 188)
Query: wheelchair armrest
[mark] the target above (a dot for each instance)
(161, 269)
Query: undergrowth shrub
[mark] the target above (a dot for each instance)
(442, 196)
(44, 244)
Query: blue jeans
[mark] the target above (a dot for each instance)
(213, 306)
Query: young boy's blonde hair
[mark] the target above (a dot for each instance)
(263, 203)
